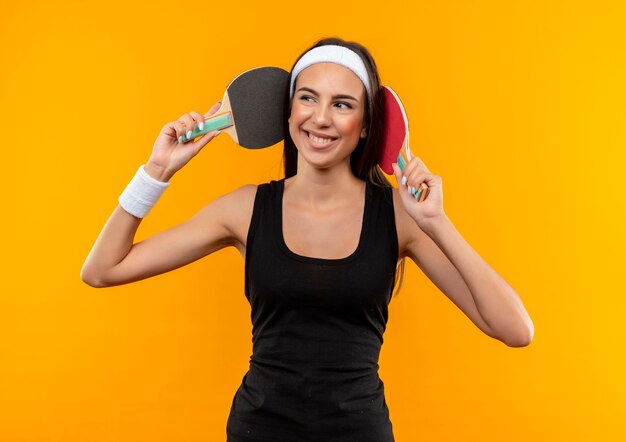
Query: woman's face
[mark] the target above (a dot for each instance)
(327, 113)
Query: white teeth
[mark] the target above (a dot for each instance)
(319, 140)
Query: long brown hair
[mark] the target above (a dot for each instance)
(364, 158)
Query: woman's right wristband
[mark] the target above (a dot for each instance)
(142, 193)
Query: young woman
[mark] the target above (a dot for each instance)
(324, 248)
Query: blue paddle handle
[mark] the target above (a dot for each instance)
(216, 122)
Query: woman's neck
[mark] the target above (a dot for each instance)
(325, 188)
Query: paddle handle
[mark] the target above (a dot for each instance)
(421, 192)
(214, 122)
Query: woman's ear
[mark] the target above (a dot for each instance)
(364, 132)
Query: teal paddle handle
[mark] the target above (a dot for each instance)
(402, 164)
(217, 122)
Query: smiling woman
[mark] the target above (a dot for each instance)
(318, 332)
(322, 117)
(322, 251)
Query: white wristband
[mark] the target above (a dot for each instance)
(142, 193)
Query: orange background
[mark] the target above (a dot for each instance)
(519, 106)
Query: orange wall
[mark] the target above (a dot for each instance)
(519, 106)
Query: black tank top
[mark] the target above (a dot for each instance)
(317, 330)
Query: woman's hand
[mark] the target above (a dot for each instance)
(168, 154)
(429, 210)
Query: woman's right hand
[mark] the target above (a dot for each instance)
(168, 155)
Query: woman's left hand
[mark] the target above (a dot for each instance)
(429, 210)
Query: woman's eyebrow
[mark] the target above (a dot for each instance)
(335, 97)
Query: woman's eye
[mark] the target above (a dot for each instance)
(306, 98)
(343, 105)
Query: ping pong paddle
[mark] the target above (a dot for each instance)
(396, 138)
(252, 109)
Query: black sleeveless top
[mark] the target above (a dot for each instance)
(317, 331)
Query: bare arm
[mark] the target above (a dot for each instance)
(470, 283)
(115, 260)
(111, 246)
(454, 266)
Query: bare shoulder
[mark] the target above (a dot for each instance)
(236, 212)
(224, 221)
(408, 231)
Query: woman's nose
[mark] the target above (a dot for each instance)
(321, 115)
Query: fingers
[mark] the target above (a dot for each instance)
(198, 119)
(400, 178)
(204, 140)
(186, 123)
(184, 126)
(213, 109)
(414, 175)
(416, 162)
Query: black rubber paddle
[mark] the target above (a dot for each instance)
(252, 109)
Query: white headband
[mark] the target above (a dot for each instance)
(331, 54)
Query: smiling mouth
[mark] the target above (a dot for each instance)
(318, 141)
